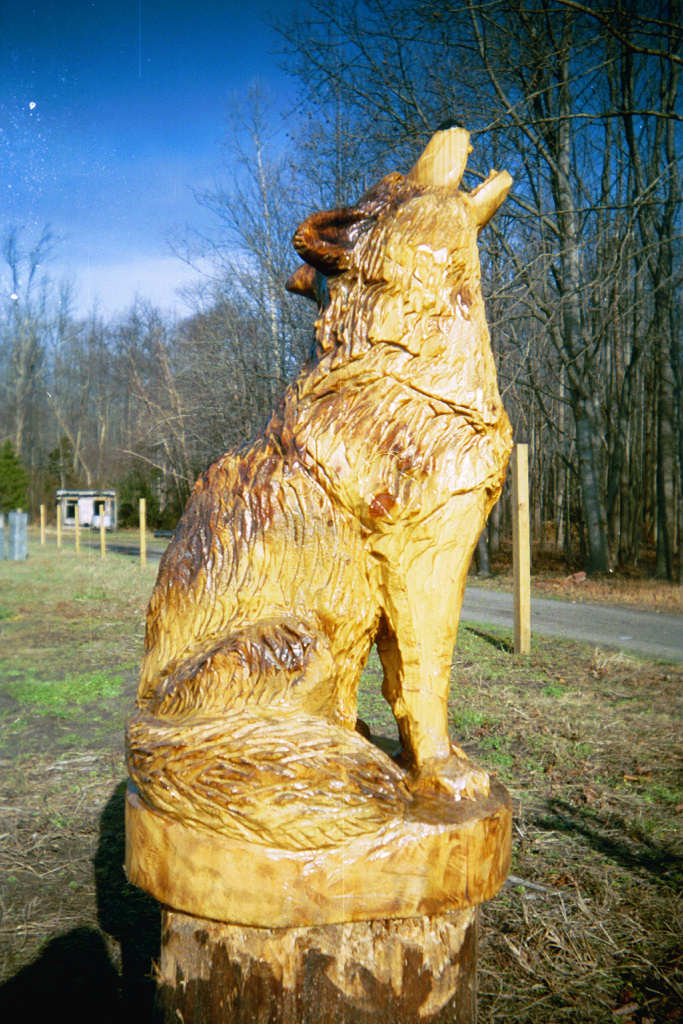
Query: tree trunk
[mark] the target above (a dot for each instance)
(363, 972)
(482, 555)
(666, 471)
(574, 343)
(590, 489)
(494, 527)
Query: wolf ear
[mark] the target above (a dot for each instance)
(489, 196)
(444, 160)
(443, 163)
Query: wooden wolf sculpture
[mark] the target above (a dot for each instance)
(351, 520)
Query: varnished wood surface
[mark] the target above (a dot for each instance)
(444, 856)
(351, 521)
(521, 549)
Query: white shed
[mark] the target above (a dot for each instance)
(91, 505)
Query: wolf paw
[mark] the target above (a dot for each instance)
(456, 776)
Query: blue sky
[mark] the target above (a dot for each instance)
(111, 111)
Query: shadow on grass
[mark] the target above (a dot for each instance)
(389, 744)
(494, 641)
(613, 838)
(73, 973)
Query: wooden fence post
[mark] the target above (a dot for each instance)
(521, 552)
(58, 517)
(77, 525)
(143, 533)
(103, 540)
(42, 524)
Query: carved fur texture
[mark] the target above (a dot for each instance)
(351, 521)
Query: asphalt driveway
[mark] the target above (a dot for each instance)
(626, 629)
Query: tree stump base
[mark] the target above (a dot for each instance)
(402, 971)
(445, 855)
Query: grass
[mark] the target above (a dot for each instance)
(71, 632)
(587, 741)
(60, 697)
(587, 928)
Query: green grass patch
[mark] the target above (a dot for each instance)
(57, 697)
(496, 752)
(659, 792)
(554, 690)
(94, 594)
(468, 721)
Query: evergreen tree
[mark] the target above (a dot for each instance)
(13, 480)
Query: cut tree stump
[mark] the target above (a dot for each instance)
(363, 972)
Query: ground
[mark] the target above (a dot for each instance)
(552, 577)
(587, 928)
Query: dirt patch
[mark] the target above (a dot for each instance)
(586, 930)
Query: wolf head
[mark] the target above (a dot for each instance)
(328, 240)
(403, 260)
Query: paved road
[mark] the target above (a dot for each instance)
(648, 633)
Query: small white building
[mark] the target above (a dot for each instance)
(91, 505)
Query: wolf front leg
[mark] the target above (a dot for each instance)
(422, 588)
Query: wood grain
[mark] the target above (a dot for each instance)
(351, 521)
(442, 856)
(521, 548)
(398, 971)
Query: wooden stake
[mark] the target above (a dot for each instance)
(58, 517)
(42, 524)
(143, 533)
(77, 524)
(103, 540)
(521, 552)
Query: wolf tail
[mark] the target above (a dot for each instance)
(296, 782)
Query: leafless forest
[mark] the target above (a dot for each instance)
(581, 269)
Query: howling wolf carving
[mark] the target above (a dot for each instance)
(351, 521)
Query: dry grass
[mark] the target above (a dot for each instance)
(552, 577)
(588, 742)
(586, 930)
(647, 594)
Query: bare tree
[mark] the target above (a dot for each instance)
(256, 211)
(656, 200)
(22, 345)
(158, 416)
(542, 88)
